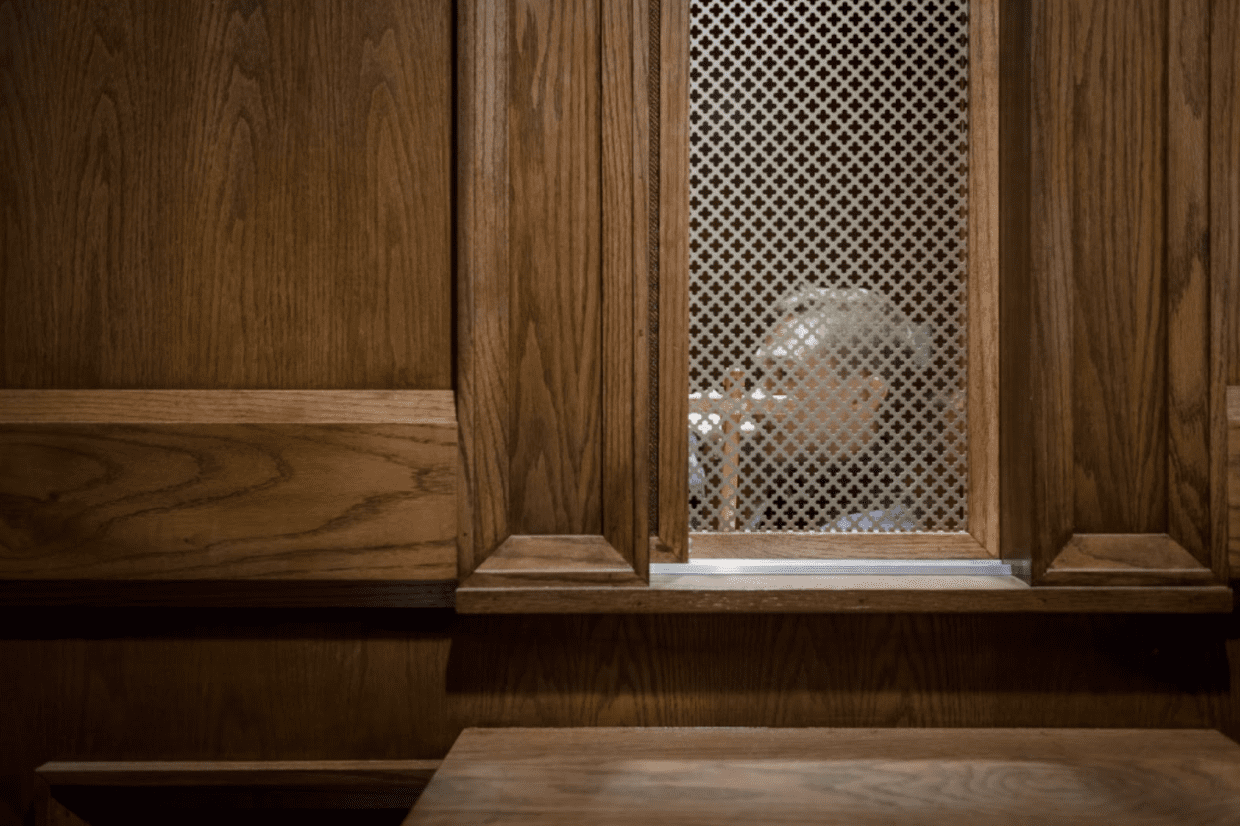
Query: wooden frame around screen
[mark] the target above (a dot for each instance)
(982, 538)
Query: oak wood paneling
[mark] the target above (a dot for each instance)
(225, 195)
(673, 292)
(484, 388)
(1225, 170)
(792, 776)
(285, 491)
(1126, 363)
(554, 235)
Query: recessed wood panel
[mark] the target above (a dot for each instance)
(141, 494)
(225, 195)
(555, 266)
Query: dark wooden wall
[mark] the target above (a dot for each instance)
(255, 195)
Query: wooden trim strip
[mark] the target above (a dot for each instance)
(1126, 559)
(482, 286)
(228, 593)
(792, 594)
(673, 527)
(559, 560)
(152, 773)
(983, 274)
(429, 407)
(625, 368)
(836, 546)
(1191, 430)
(1224, 240)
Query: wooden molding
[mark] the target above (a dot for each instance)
(668, 594)
(553, 368)
(270, 486)
(836, 546)
(1125, 559)
(1124, 374)
(554, 560)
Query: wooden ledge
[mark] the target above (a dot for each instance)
(237, 772)
(846, 594)
(896, 777)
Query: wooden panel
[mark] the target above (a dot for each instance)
(554, 233)
(673, 293)
(1113, 163)
(278, 494)
(983, 274)
(187, 205)
(484, 390)
(800, 776)
(1127, 418)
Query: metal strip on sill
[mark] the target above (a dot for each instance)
(834, 567)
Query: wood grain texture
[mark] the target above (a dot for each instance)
(483, 384)
(265, 498)
(1194, 385)
(1019, 429)
(835, 546)
(152, 773)
(431, 408)
(1126, 559)
(228, 593)
(844, 594)
(793, 776)
(186, 205)
(1225, 169)
(1233, 477)
(983, 274)
(1225, 228)
(554, 560)
(1114, 116)
(555, 446)
(293, 684)
(673, 527)
(625, 234)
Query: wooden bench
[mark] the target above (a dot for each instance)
(892, 777)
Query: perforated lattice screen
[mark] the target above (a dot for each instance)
(828, 175)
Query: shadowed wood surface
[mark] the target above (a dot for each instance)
(255, 500)
(237, 772)
(187, 204)
(967, 777)
(1233, 478)
(294, 684)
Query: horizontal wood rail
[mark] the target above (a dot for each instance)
(204, 488)
(112, 788)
